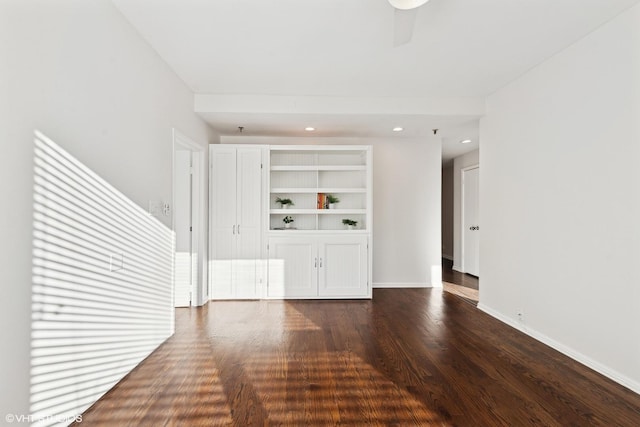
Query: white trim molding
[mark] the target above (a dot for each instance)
(567, 351)
(200, 296)
(383, 285)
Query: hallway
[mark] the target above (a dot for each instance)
(451, 276)
(463, 285)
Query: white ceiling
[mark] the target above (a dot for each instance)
(343, 48)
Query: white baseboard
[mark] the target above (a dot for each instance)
(382, 285)
(567, 351)
(447, 257)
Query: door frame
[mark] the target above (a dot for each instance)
(463, 268)
(198, 156)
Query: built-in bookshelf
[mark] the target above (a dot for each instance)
(308, 175)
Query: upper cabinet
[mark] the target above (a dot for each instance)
(311, 177)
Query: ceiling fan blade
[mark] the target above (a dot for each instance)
(403, 23)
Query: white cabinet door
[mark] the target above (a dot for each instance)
(248, 222)
(328, 266)
(223, 221)
(293, 267)
(343, 266)
(236, 208)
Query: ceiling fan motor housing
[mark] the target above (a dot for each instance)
(407, 4)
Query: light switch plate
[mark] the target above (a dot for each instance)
(116, 262)
(156, 208)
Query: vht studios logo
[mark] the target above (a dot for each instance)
(25, 418)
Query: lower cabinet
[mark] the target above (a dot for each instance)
(318, 267)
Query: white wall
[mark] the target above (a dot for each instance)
(102, 286)
(459, 163)
(77, 71)
(560, 201)
(406, 205)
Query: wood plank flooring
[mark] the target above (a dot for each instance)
(470, 295)
(462, 279)
(409, 357)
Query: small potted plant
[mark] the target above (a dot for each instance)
(332, 200)
(284, 203)
(351, 224)
(287, 221)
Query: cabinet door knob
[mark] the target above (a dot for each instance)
(234, 229)
(238, 228)
(315, 263)
(320, 262)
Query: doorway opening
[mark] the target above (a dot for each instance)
(460, 208)
(187, 221)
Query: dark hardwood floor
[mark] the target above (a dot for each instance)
(409, 357)
(455, 277)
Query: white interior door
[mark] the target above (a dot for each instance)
(182, 228)
(223, 221)
(248, 227)
(471, 224)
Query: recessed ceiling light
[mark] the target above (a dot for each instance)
(465, 141)
(309, 129)
(398, 129)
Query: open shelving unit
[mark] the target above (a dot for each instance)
(319, 257)
(304, 173)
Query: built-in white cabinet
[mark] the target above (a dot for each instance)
(254, 254)
(318, 267)
(236, 226)
(317, 255)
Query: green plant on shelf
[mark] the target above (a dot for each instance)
(287, 219)
(349, 222)
(332, 199)
(285, 203)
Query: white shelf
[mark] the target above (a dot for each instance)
(341, 149)
(315, 168)
(303, 172)
(318, 211)
(318, 190)
(279, 232)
